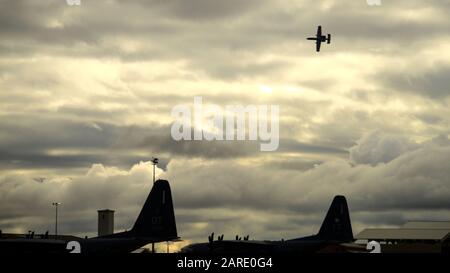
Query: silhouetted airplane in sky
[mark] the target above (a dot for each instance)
(320, 38)
(155, 223)
(336, 229)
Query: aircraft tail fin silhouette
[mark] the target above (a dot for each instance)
(157, 217)
(337, 225)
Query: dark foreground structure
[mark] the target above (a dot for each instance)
(412, 237)
(155, 223)
(336, 229)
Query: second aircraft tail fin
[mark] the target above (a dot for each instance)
(337, 225)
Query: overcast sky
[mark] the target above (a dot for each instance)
(86, 95)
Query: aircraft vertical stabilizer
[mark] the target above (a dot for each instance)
(157, 218)
(337, 225)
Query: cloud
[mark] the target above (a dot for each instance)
(100, 187)
(86, 94)
(412, 186)
(219, 195)
(428, 82)
(377, 147)
(61, 141)
(203, 10)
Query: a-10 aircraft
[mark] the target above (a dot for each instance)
(320, 38)
(336, 230)
(155, 223)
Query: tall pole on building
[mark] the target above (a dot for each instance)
(56, 204)
(154, 162)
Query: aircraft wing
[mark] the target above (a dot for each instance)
(318, 43)
(319, 32)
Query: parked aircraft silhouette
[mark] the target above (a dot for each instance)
(320, 38)
(155, 223)
(336, 229)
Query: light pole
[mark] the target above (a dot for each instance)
(154, 162)
(56, 204)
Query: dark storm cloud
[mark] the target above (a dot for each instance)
(289, 145)
(429, 118)
(42, 160)
(26, 21)
(52, 132)
(228, 149)
(208, 193)
(52, 119)
(298, 164)
(200, 10)
(365, 28)
(377, 147)
(394, 218)
(226, 38)
(33, 160)
(27, 145)
(429, 82)
(164, 21)
(87, 24)
(414, 180)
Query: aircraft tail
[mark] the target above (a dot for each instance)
(329, 39)
(337, 225)
(157, 217)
